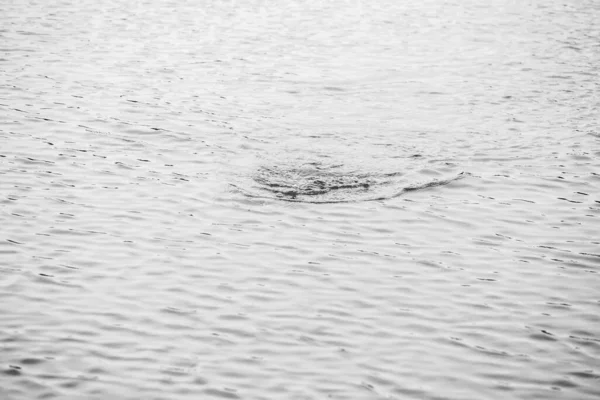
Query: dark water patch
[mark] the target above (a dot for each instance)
(224, 394)
(11, 50)
(589, 374)
(564, 383)
(316, 182)
(12, 370)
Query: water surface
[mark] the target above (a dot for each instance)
(134, 264)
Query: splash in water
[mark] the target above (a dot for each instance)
(320, 183)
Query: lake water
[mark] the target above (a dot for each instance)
(146, 148)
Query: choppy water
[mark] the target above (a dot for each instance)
(140, 257)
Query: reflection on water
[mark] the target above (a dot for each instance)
(145, 148)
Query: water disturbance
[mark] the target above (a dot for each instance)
(318, 183)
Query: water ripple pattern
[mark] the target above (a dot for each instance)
(146, 148)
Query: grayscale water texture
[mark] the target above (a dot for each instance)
(184, 186)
